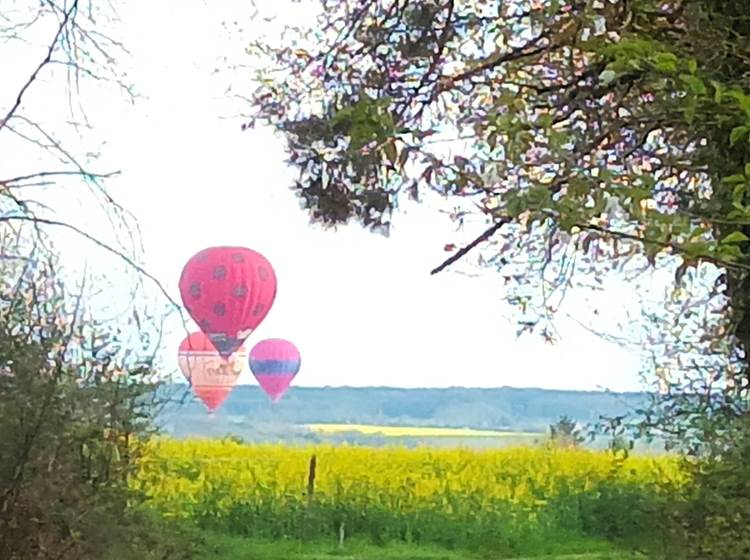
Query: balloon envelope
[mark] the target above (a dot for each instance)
(228, 291)
(212, 377)
(274, 363)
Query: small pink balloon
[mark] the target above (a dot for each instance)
(275, 362)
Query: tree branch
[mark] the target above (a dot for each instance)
(511, 56)
(489, 232)
(442, 42)
(47, 59)
(129, 261)
(9, 182)
(666, 244)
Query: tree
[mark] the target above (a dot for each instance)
(565, 433)
(598, 138)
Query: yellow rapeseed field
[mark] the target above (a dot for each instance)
(416, 431)
(223, 478)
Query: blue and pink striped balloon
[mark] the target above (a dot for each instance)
(274, 363)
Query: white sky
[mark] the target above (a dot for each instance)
(362, 309)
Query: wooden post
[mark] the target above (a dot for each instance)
(311, 479)
(310, 492)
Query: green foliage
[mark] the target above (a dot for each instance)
(71, 411)
(364, 122)
(140, 534)
(711, 519)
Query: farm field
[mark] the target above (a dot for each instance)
(395, 502)
(416, 431)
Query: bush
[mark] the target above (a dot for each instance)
(72, 408)
(712, 520)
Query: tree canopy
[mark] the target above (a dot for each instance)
(594, 136)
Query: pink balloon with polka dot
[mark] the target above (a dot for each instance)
(228, 291)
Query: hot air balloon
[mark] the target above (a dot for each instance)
(274, 363)
(211, 376)
(228, 291)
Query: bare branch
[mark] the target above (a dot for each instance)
(129, 261)
(41, 174)
(489, 232)
(47, 59)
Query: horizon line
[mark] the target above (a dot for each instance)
(438, 388)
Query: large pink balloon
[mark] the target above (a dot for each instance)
(274, 363)
(228, 291)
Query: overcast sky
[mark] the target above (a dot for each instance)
(362, 309)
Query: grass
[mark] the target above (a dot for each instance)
(222, 547)
(164, 539)
(413, 431)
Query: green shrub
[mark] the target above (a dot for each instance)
(71, 411)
